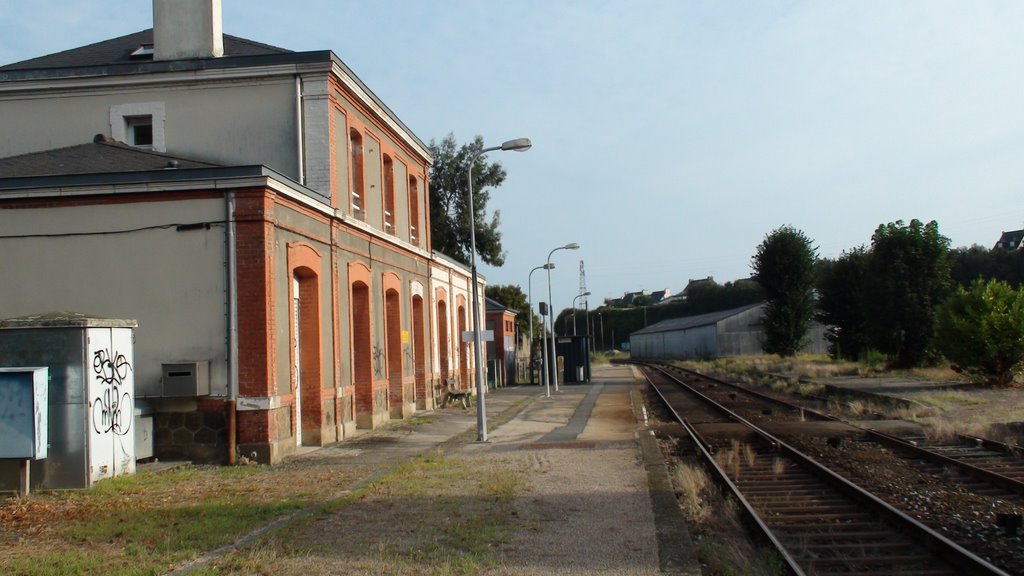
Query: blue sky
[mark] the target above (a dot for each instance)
(670, 136)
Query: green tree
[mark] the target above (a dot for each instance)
(969, 264)
(711, 296)
(841, 304)
(449, 201)
(513, 297)
(980, 329)
(784, 266)
(907, 277)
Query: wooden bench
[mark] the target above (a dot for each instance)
(449, 393)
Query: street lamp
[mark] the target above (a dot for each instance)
(574, 310)
(518, 145)
(551, 307)
(529, 300)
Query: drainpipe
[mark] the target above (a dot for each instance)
(232, 325)
(300, 130)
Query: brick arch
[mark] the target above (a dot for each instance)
(443, 334)
(419, 343)
(304, 334)
(361, 339)
(462, 323)
(393, 339)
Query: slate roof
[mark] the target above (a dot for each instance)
(688, 322)
(493, 305)
(1010, 240)
(103, 155)
(114, 57)
(119, 50)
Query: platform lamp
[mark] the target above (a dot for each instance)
(584, 294)
(517, 145)
(553, 367)
(529, 301)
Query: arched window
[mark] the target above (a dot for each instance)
(389, 195)
(362, 354)
(355, 140)
(414, 211)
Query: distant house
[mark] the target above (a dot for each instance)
(1010, 240)
(660, 296)
(501, 351)
(735, 332)
(685, 292)
(635, 298)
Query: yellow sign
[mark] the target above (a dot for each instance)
(405, 336)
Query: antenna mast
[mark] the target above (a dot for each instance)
(583, 281)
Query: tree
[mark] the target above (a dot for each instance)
(513, 297)
(907, 277)
(784, 266)
(980, 329)
(712, 297)
(449, 201)
(841, 304)
(969, 264)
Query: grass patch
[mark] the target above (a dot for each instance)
(945, 399)
(434, 515)
(412, 422)
(691, 484)
(724, 548)
(143, 523)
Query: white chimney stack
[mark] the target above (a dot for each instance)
(185, 29)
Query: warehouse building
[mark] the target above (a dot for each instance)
(735, 332)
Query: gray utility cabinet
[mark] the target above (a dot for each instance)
(90, 396)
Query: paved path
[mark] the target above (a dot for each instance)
(598, 477)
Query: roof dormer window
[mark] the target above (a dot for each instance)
(143, 52)
(139, 131)
(139, 124)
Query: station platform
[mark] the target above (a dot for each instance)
(596, 487)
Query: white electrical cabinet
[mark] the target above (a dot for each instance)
(90, 401)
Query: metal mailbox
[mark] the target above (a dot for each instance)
(186, 379)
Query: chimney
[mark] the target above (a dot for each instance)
(184, 29)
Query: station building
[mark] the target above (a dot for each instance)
(259, 212)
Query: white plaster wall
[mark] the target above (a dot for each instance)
(172, 283)
(236, 123)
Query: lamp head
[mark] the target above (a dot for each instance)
(549, 266)
(585, 294)
(572, 246)
(519, 145)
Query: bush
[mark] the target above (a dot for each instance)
(980, 330)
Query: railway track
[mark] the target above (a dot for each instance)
(988, 462)
(819, 521)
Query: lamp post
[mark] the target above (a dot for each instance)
(574, 310)
(554, 361)
(518, 145)
(529, 301)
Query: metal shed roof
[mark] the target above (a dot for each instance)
(688, 322)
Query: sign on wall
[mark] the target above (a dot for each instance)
(23, 408)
